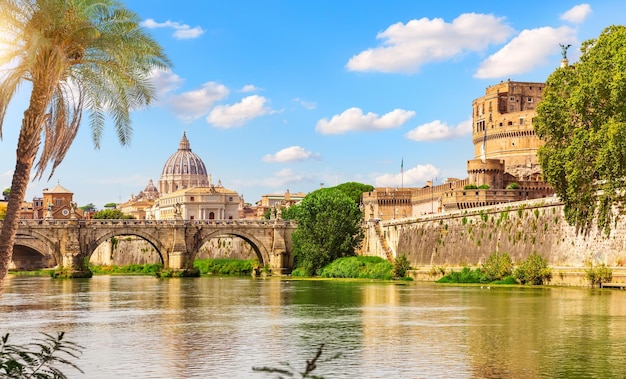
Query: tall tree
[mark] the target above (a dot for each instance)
(329, 227)
(77, 55)
(582, 119)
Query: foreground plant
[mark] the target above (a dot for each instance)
(311, 365)
(38, 359)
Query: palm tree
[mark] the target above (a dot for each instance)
(76, 55)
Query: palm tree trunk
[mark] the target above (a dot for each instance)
(27, 147)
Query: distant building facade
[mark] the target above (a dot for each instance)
(57, 203)
(505, 161)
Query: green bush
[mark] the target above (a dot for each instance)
(512, 186)
(299, 272)
(364, 267)
(225, 266)
(145, 269)
(466, 275)
(470, 186)
(599, 274)
(401, 266)
(497, 266)
(533, 270)
(507, 280)
(484, 186)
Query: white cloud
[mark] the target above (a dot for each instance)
(290, 154)
(415, 176)
(353, 119)
(227, 116)
(406, 47)
(165, 81)
(191, 105)
(577, 14)
(310, 105)
(530, 49)
(249, 88)
(437, 130)
(181, 31)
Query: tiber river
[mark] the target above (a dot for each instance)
(143, 327)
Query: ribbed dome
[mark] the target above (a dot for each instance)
(184, 162)
(183, 169)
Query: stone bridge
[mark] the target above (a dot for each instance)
(68, 244)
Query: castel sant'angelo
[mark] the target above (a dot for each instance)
(504, 169)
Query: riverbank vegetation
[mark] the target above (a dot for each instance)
(132, 269)
(329, 227)
(499, 269)
(225, 266)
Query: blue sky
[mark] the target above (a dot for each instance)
(277, 95)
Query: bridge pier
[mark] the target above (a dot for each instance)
(74, 263)
(179, 265)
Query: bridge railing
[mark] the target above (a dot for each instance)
(110, 222)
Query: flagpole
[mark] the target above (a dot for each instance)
(402, 173)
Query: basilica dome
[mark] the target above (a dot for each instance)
(183, 169)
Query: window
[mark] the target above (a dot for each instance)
(521, 121)
(230, 198)
(191, 199)
(511, 98)
(530, 99)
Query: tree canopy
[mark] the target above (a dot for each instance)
(582, 119)
(114, 214)
(329, 227)
(88, 207)
(354, 190)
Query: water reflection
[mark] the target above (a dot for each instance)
(143, 327)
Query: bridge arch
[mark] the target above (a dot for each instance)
(261, 251)
(152, 240)
(33, 250)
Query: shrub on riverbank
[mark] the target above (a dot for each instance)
(497, 267)
(534, 270)
(466, 275)
(225, 266)
(361, 267)
(497, 270)
(137, 269)
(598, 274)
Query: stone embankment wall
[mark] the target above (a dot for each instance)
(468, 237)
(126, 250)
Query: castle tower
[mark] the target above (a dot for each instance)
(503, 126)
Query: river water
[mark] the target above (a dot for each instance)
(210, 327)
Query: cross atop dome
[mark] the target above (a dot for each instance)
(184, 143)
